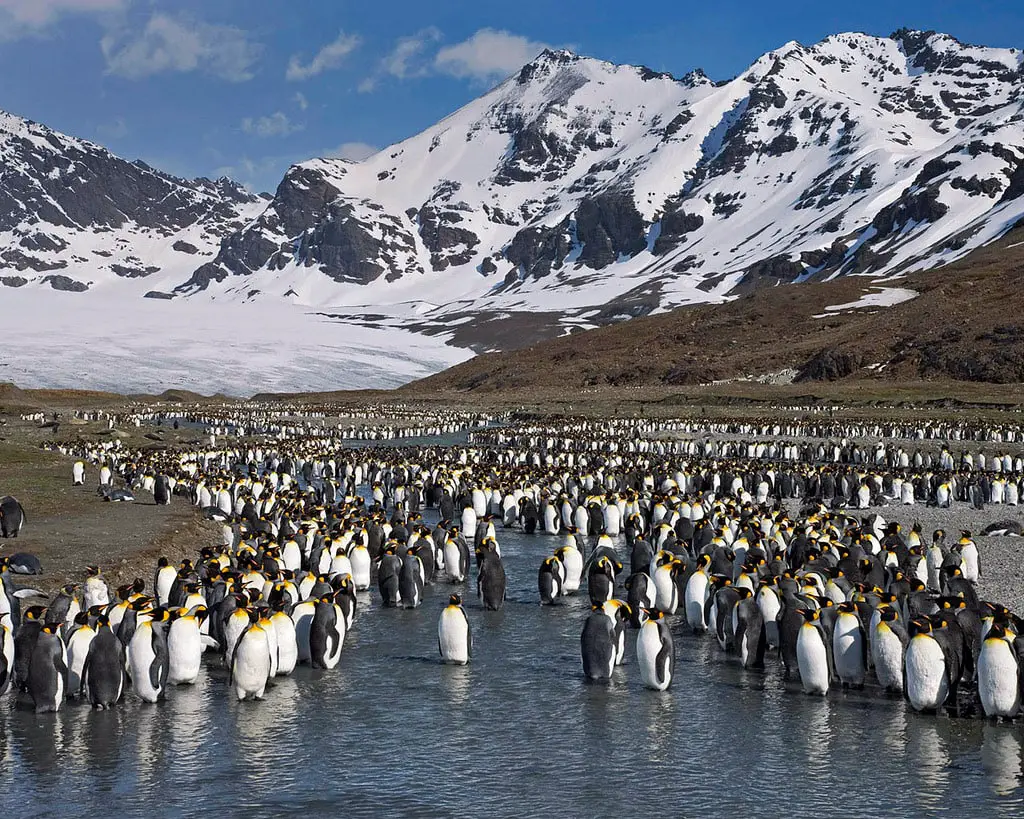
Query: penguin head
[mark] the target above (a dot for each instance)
(998, 631)
(51, 628)
(810, 615)
(888, 613)
(847, 608)
(82, 618)
(455, 600)
(920, 626)
(92, 571)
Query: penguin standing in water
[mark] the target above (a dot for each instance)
(25, 643)
(491, 581)
(387, 577)
(410, 580)
(654, 651)
(597, 644)
(359, 557)
(749, 631)
(185, 646)
(287, 642)
(78, 644)
(642, 593)
(888, 645)
(147, 657)
(549, 580)
(695, 595)
(251, 664)
(454, 634)
(302, 620)
(601, 580)
(849, 646)
(999, 674)
(47, 673)
(814, 653)
(103, 677)
(6, 658)
(456, 556)
(326, 634)
(572, 561)
(932, 670)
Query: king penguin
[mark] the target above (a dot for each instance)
(47, 673)
(814, 654)
(549, 580)
(454, 634)
(999, 677)
(888, 645)
(103, 677)
(654, 651)
(147, 657)
(597, 644)
(251, 664)
(326, 634)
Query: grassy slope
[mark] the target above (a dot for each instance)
(953, 331)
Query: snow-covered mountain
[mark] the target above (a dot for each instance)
(73, 215)
(576, 189)
(578, 183)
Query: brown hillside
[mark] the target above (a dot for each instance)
(966, 324)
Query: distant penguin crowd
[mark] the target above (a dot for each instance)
(752, 534)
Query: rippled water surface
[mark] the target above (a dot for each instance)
(391, 731)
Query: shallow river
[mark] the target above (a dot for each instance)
(391, 731)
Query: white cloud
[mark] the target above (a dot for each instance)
(405, 60)
(356, 151)
(38, 13)
(487, 55)
(328, 57)
(167, 44)
(300, 100)
(277, 124)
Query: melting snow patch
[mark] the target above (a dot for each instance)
(883, 297)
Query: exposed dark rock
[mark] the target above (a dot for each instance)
(675, 224)
(66, 284)
(448, 244)
(782, 144)
(609, 225)
(156, 294)
(977, 187)
(934, 168)
(487, 266)
(829, 365)
(536, 250)
(677, 123)
(20, 261)
(772, 271)
(185, 247)
(13, 281)
(129, 272)
(42, 242)
(914, 206)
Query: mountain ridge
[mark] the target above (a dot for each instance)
(575, 194)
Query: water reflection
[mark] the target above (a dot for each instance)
(517, 731)
(929, 759)
(1001, 758)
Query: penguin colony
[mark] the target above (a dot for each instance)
(705, 523)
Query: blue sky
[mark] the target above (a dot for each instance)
(246, 87)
